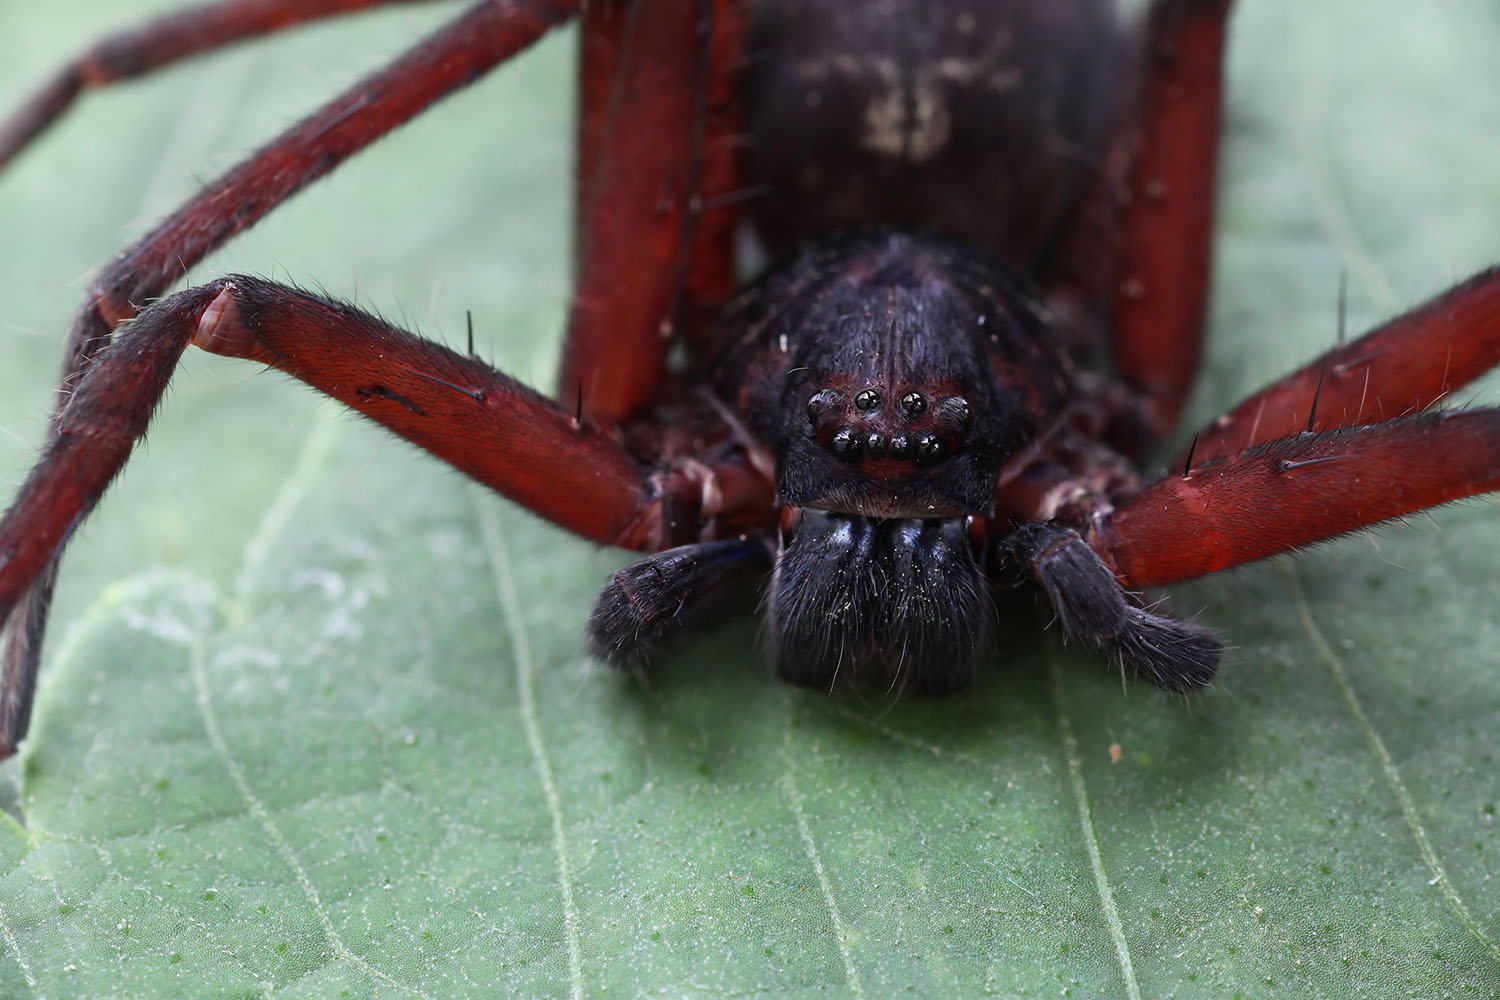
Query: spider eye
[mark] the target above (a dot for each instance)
(867, 400)
(954, 411)
(929, 449)
(845, 445)
(820, 403)
(914, 404)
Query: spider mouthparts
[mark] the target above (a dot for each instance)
(905, 596)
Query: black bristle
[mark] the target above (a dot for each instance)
(648, 600)
(904, 599)
(1092, 607)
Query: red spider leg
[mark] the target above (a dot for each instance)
(159, 42)
(482, 422)
(455, 55)
(710, 279)
(1166, 231)
(1399, 368)
(452, 57)
(1297, 491)
(651, 156)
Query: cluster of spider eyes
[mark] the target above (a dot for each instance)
(851, 444)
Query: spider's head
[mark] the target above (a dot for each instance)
(891, 376)
(879, 446)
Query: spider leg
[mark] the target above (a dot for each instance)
(655, 183)
(457, 54)
(1296, 491)
(647, 601)
(484, 423)
(156, 43)
(450, 58)
(1166, 228)
(1399, 368)
(1091, 605)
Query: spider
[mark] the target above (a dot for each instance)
(991, 231)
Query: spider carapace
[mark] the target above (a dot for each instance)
(990, 227)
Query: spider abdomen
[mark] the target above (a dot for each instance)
(970, 118)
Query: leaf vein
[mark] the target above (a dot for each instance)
(510, 605)
(810, 847)
(314, 450)
(106, 857)
(15, 949)
(1388, 766)
(1086, 826)
(263, 816)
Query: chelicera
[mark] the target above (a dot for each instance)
(990, 230)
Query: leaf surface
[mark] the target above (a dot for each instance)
(316, 719)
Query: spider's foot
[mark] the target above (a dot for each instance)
(649, 600)
(1170, 653)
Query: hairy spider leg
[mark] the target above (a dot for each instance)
(1142, 243)
(655, 216)
(160, 42)
(1372, 454)
(1303, 486)
(482, 422)
(1299, 490)
(1397, 369)
(649, 600)
(1165, 238)
(457, 54)
(1092, 607)
(454, 56)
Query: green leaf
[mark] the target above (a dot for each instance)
(316, 717)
